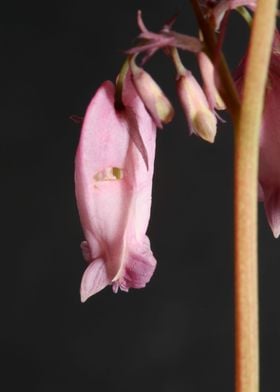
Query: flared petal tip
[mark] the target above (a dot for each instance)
(95, 279)
(276, 231)
(272, 209)
(84, 296)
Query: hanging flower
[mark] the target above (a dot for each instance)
(113, 190)
(269, 169)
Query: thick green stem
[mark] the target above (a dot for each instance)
(245, 200)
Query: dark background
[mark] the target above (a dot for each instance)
(175, 335)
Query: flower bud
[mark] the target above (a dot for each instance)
(207, 72)
(152, 96)
(201, 119)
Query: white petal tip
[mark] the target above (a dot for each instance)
(276, 233)
(84, 297)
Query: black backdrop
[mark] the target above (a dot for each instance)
(177, 334)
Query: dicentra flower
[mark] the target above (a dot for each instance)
(113, 178)
(269, 168)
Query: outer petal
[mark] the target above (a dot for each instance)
(102, 200)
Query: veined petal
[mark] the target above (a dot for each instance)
(139, 268)
(103, 199)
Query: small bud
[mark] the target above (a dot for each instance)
(207, 72)
(152, 96)
(201, 119)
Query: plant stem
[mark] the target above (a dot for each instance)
(245, 199)
(119, 84)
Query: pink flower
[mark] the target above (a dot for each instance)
(269, 166)
(113, 178)
(269, 159)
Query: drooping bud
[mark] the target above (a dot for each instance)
(152, 96)
(207, 72)
(202, 121)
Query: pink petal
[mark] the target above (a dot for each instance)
(95, 279)
(103, 204)
(139, 268)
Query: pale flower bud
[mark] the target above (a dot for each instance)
(202, 121)
(152, 96)
(207, 72)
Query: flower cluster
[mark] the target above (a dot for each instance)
(115, 157)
